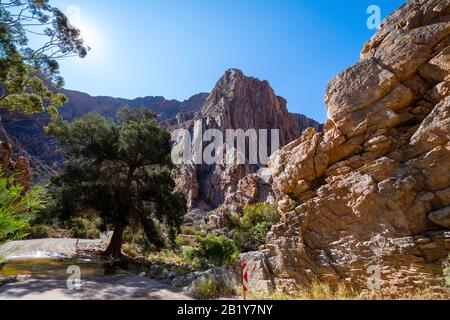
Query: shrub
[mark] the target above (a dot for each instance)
(192, 231)
(17, 208)
(205, 289)
(254, 225)
(212, 287)
(135, 237)
(42, 231)
(212, 251)
(257, 213)
(189, 253)
(447, 271)
(83, 228)
(131, 250)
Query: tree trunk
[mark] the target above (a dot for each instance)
(151, 232)
(114, 249)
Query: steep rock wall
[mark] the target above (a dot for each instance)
(372, 189)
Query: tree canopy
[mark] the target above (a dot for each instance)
(27, 73)
(121, 169)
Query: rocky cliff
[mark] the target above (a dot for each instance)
(371, 193)
(236, 102)
(12, 164)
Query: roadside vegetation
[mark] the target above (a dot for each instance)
(243, 233)
(207, 288)
(249, 232)
(446, 271)
(18, 207)
(323, 291)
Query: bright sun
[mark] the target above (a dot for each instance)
(88, 32)
(89, 35)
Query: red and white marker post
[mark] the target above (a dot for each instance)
(245, 280)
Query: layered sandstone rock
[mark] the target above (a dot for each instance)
(373, 189)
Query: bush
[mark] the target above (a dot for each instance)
(208, 287)
(131, 250)
(254, 225)
(42, 231)
(135, 238)
(212, 251)
(189, 253)
(447, 271)
(17, 208)
(192, 231)
(82, 228)
(258, 213)
(205, 289)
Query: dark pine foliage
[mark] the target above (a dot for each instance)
(123, 170)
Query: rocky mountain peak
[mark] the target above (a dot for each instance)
(236, 102)
(241, 102)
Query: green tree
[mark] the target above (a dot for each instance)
(22, 69)
(17, 207)
(122, 170)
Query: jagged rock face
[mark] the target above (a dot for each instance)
(373, 189)
(252, 189)
(240, 102)
(9, 164)
(236, 102)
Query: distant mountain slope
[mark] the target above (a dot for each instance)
(81, 103)
(28, 138)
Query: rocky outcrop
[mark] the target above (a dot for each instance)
(236, 102)
(9, 164)
(252, 189)
(372, 191)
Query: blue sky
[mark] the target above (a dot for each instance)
(177, 48)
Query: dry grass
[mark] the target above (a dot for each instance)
(322, 291)
(167, 256)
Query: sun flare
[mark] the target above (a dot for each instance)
(90, 36)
